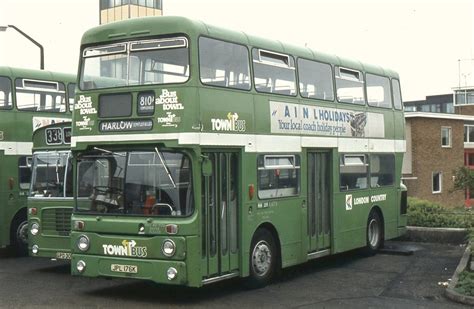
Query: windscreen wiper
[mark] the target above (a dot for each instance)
(165, 167)
(109, 152)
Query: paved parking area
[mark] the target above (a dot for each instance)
(348, 280)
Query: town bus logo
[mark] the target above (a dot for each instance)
(232, 123)
(128, 248)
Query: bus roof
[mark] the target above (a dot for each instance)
(36, 74)
(154, 26)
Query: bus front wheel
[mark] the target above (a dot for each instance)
(263, 259)
(19, 234)
(374, 233)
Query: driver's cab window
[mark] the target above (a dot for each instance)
(94, 173)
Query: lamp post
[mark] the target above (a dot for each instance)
(4, 28)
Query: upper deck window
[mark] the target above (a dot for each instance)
(5, 93)
(378, 91)
(39, 95)
(397, 95)
(315, 80)
(350, 86)
(224, 64)
(274, 72)
(160, 61)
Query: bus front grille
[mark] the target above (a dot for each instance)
(57, 221)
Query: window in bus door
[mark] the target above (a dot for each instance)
(319, 184)
(220, 219)
(209, 222)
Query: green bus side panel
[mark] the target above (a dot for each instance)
(11, 201)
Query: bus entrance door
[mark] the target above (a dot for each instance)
(319, 188)
(219, 218)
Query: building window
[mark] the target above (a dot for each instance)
(108, 4)
(449, 108)
(436, 182)
(464, 97)
(468, 133)
(470, 159)
(445, 137)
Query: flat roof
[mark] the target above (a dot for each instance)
(438, 116)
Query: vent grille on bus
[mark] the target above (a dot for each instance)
(57, 220)
(403, 203)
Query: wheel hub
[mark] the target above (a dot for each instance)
(22, 233)
(261, 258)
(373, 233)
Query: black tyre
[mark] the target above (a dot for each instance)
(263, 259)
(19, 236)
(375, 235)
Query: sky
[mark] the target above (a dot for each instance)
(430, 43)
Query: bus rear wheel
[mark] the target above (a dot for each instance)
(374, 233)
(263, 258)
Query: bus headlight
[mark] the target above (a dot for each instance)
(34, 249)
(171, 273)
(168, 248)
(34, 229)
(81, 266)
(83, 243)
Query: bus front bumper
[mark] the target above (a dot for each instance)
(54, 247)
(159, 271)
(52, 253)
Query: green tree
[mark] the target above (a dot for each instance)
(463, 179)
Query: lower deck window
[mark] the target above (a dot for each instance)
(24, 171)
(278, 176)
(382, 170)
(353, 172)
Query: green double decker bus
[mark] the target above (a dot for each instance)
(50, 201)
(29, 100)
(204, 154)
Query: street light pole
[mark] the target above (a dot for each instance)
(4, 28)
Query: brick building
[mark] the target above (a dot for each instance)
(435, 147)
(440, 139)
(115, 10)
